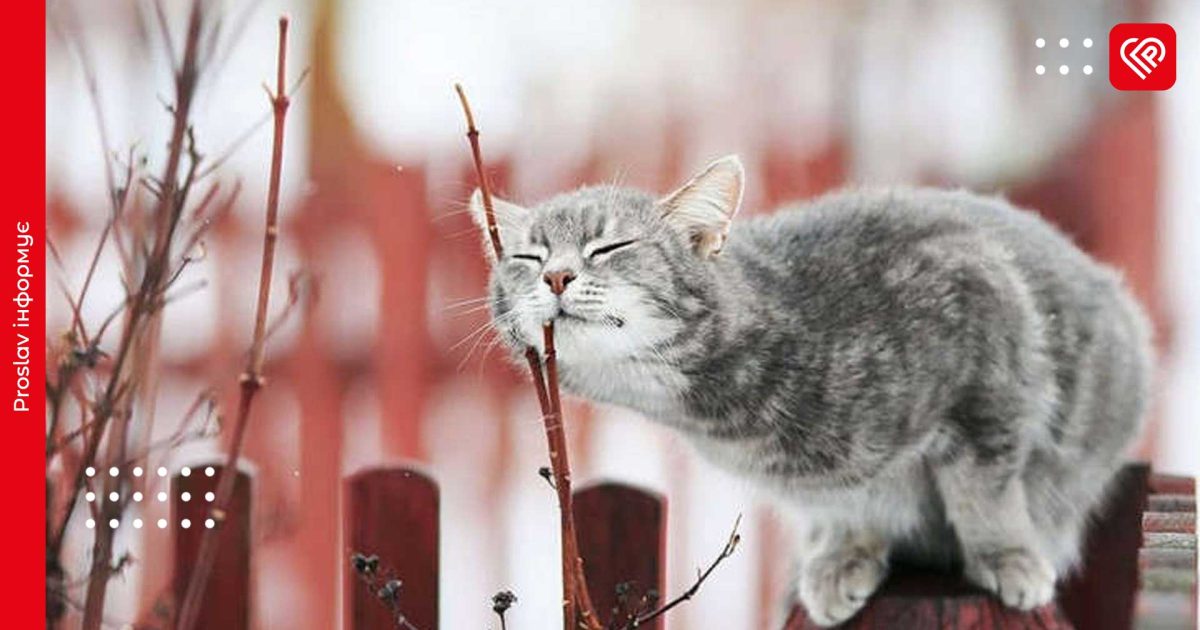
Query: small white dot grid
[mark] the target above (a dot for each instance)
(138, 496)
(1064, 69)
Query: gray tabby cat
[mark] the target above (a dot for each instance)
(923, 375)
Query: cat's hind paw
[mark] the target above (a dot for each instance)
(834, 587)
(1019, 577)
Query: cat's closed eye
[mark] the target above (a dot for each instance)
(530, 257)
(611, 247)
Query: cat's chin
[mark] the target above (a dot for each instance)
(584, 340)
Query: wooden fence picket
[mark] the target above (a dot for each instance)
(392, 513)
(1102, 596)
(1140, 558)
(622, 539)
(227, 596)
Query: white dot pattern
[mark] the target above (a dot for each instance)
(208, 471)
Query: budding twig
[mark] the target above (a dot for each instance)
(251, 379)
(484, 188)
(384, 585)
(578, 610)
(111, 408)
(730, 547)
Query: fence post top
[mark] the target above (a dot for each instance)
(406, 470)
(612, 486)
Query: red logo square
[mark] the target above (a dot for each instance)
(1141, 56)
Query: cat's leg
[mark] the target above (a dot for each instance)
(839, 568)
(1001, 548)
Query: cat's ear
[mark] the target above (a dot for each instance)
(510, 218)
(704, 207)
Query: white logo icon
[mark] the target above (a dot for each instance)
(1144, 57)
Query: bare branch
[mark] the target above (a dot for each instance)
(113, 402)
(245, 136)
(730, 547)
(484, 187)
(578, 610)
(251, 379)
(165, 31)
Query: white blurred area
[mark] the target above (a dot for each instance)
(916, 86)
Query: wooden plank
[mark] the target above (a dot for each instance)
(1173, 484)
(1172, 503)
(1178, 522)
(392, 513)
(1102, 596)
(227, 597)
(916, 600)
(622, 539)
(1167, 561)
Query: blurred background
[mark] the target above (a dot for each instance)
(387, 360)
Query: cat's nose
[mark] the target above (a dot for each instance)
(558, 280)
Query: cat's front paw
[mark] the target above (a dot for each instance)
(1021, 578)
(835, 586)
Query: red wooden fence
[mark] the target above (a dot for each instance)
(227, 595)
(1140, 561)
(622, 538)
(392, 513)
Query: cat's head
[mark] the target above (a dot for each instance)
(617, 270)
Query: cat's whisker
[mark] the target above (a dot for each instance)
(494, 329)
(483, 328)
(453, 236)
(445, 216)
(467, 302)
(487, 351)
(467, 358)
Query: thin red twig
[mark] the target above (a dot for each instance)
(578, 610)
(484, 188)
(730, 547)
(560, 464)
(251, 379)
(112, 403)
